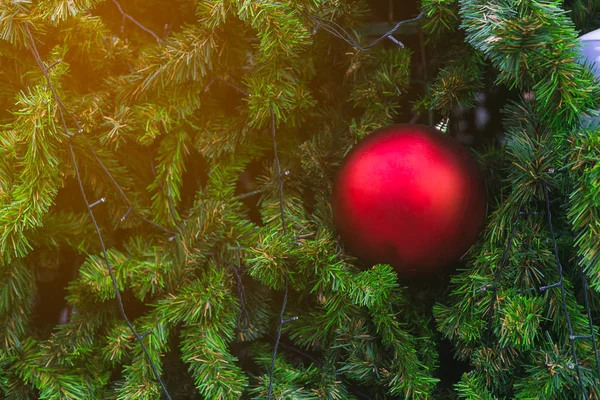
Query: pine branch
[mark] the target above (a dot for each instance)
(456, 85)
(532, 44)
(185, 56)
(584, 212)
(53, 382)
(172, 155)
(205, 349)
(383, 80)
(39, 177)
(57, 11)
(281, 34)
(203, 300)
(61, 229)
(441, 17)
(139, 382)
(472, 387)
(13, 18)
(16, 303)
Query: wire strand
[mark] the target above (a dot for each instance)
(285, 290)
(243, 320)
(336, 30)
(561, 285)
(138, 24)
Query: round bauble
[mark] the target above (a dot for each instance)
(409, 196)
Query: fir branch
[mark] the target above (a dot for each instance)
(521, 322)
(322, 325)
(496, 365)
(205, 349)
(87, 37)
(39, 178)
(532, 44)
(55, 382)
(497, 278)
(221, 134)
(16, 303)
(471, 386)
(243, 320)
(456, 85)
(267, 259)
(281, 34)
(561, 286)
(293, 381)
(147, 266)
(441, 17)
(585, 14)
(13, 14)
(138, 376)
(185, 56)
(201, 301)
(94, 276)
(402, 358)
(61, 228)
(371, 288)
(118, 343)
(131, 208)
(551, 373)
(213, 13)
(291, 101)
(57, 11)
(172, 154)
(386, 76)
(584, 212)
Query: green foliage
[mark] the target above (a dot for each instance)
(178, 131)
(214, 369)
(584, 205)
(388, 81)
(442, 17)
(37, 171)
(521, 322)
(456, 84)
(57, 11)
(472, 387)
(16, 301)
(172, 154)
(557, 377)
(533, 45)
(497, 318)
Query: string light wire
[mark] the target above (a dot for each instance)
(284, 229)
(139, 25)
(336, 30)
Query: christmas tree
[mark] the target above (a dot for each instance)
(166, 176)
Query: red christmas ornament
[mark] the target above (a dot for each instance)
(409, 196)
